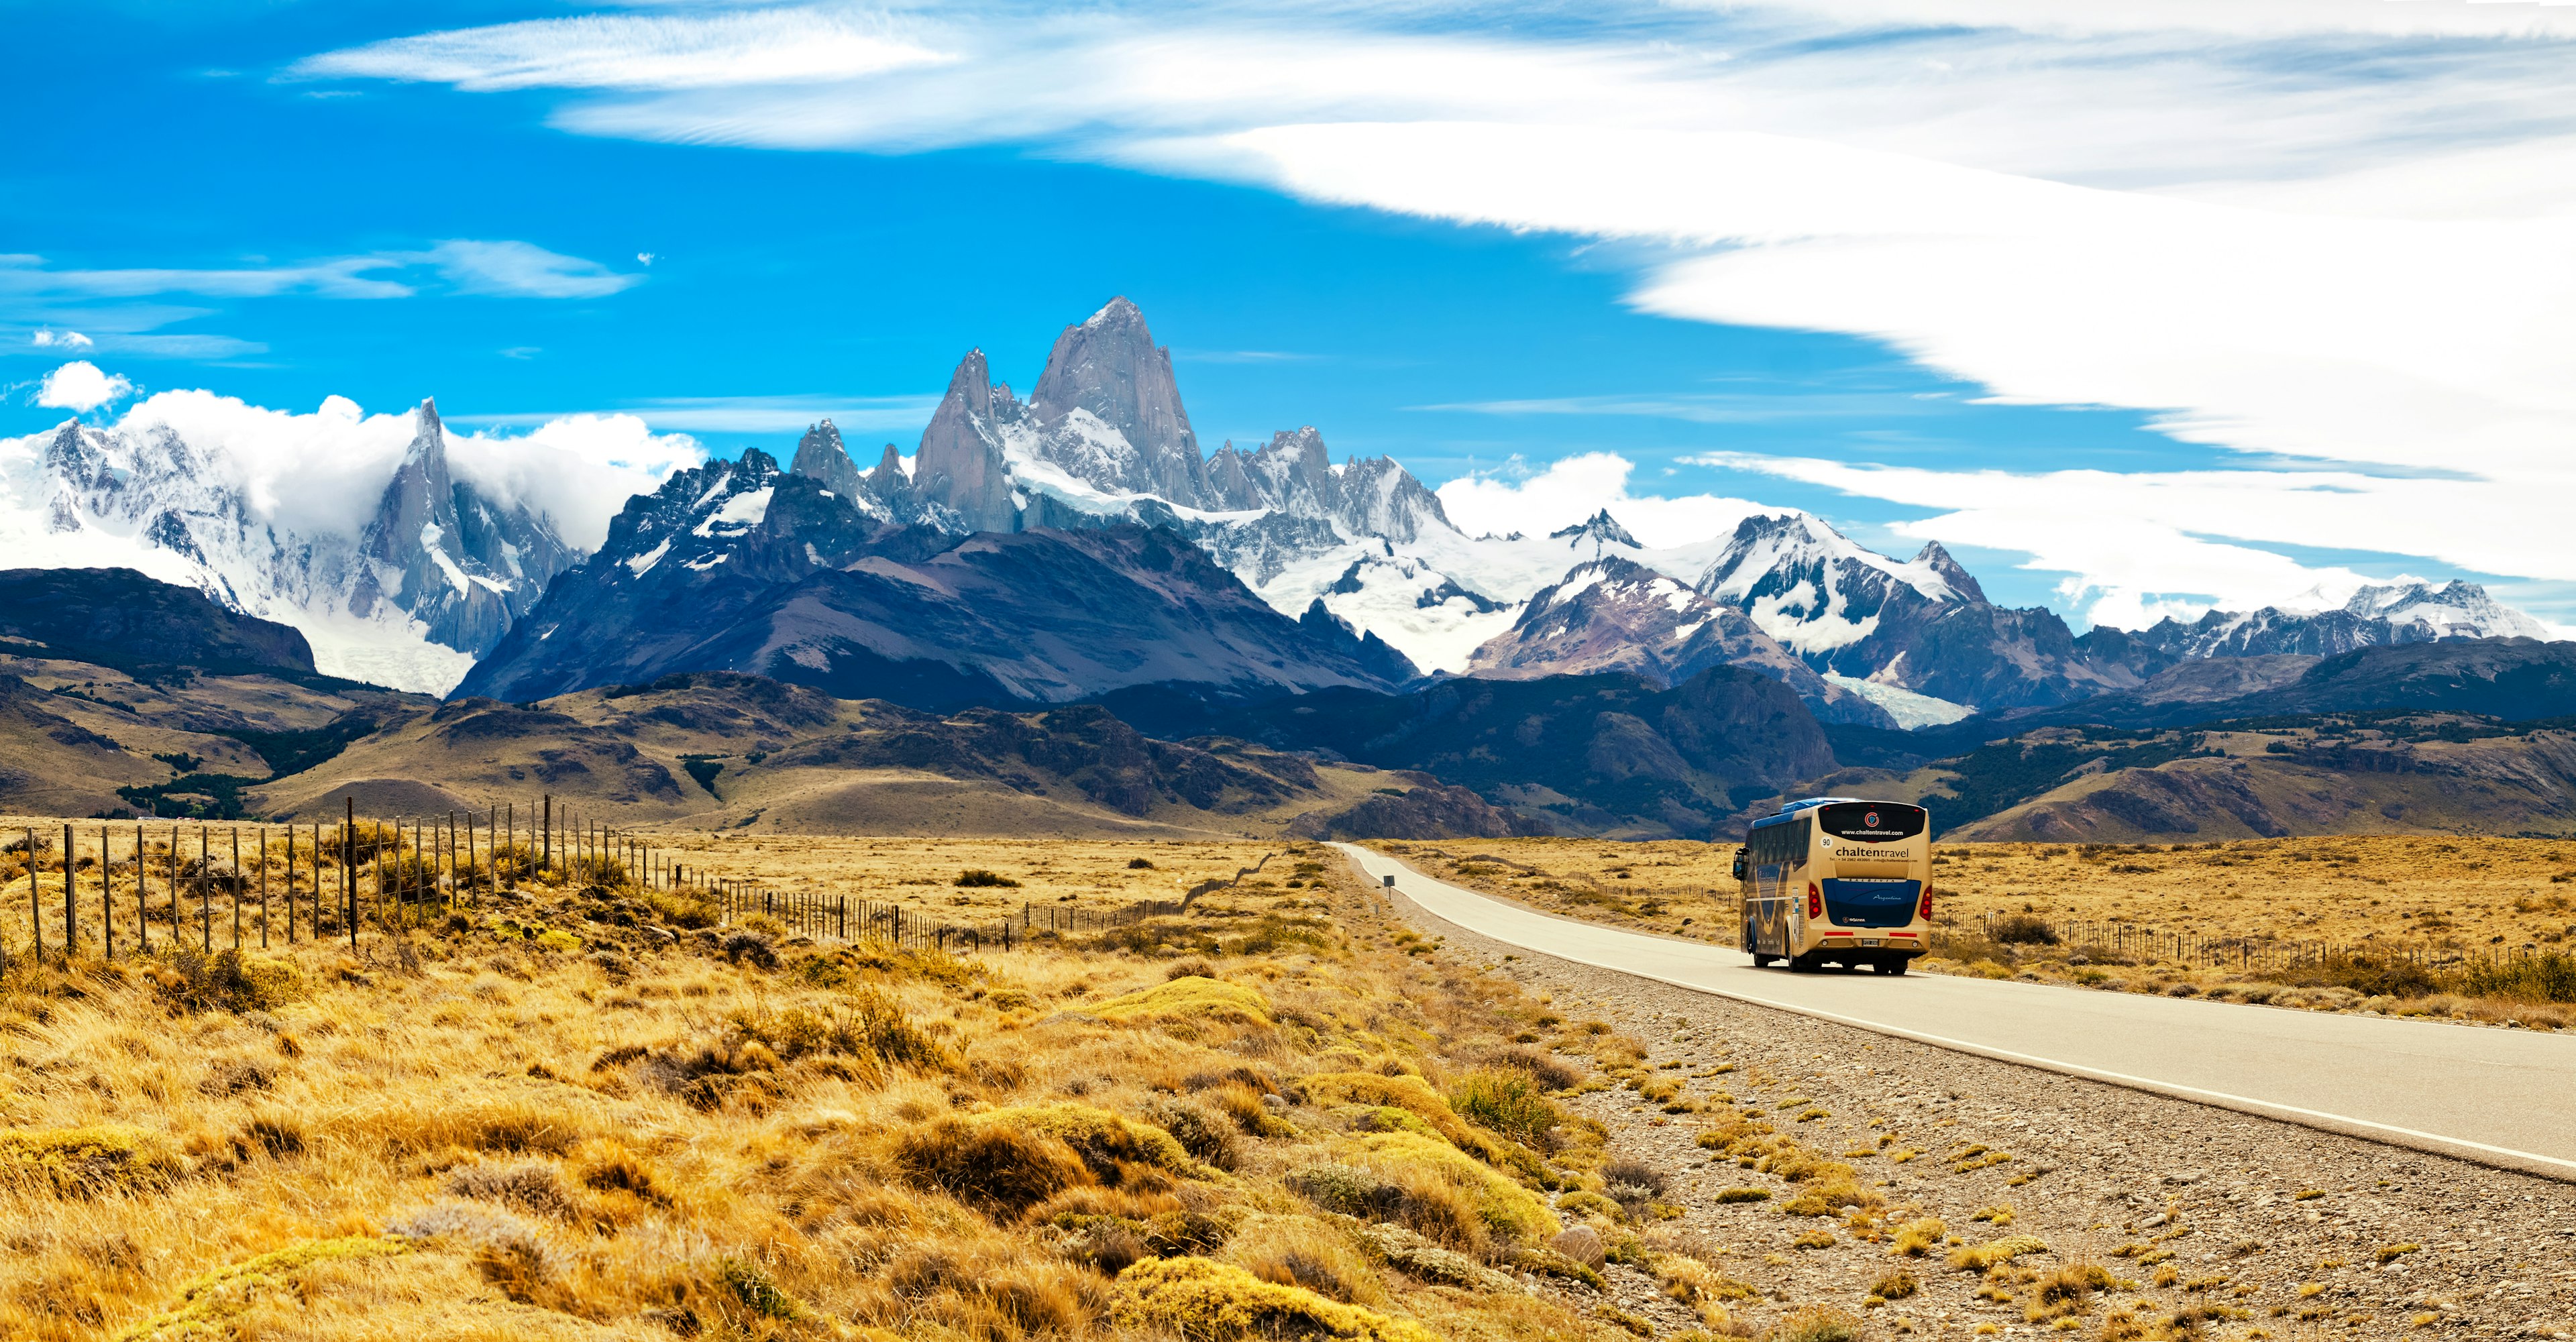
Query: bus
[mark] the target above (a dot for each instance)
(1838, 881)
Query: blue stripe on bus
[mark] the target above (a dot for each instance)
(1855, 902)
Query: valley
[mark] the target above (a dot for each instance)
(1301, 1104)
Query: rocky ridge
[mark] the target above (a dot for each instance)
(742, 566)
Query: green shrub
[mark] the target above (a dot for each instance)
(225, 981)
(2549, 977)
(2024, 929)
(757, 1291)
(1506, 1101)
(83, 1161)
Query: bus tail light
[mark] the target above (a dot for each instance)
(1925, 913)
(1815, 901)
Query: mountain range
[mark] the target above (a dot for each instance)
(1007, 560)
(1077, 565)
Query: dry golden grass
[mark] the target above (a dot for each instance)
(470, 1136)
(923, 872)
(1675, 886)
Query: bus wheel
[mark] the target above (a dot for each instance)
(1895, 964)
(1799, 964)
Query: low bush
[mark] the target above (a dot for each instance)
(82, 1162)
(2547, 977)
(1207, 1301)
(208, 1303)
(226, 980)
(978, 878)
(2023, 929)
(1004, 1169)
(1633, 1184)
(1980, 1257)
(1302, 1252)
(1547, 1069)
(1506, 1101)
(535, 1186)
(1817, 1323)
(1209, 1137)
(1915, 1239)
(1204, 998)
(1347, 1190)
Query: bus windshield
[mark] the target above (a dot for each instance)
(1870, 821)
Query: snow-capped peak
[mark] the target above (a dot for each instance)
(2455, 609)
(1813, 588)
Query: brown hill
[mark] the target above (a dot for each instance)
(2442, 775)
(724, 750)
(73, 733)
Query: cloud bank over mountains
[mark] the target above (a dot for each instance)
(2327, 239)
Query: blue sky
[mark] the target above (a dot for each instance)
(1930, 268)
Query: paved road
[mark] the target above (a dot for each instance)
(2498, 1097)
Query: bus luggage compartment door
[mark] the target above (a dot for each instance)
(1866, 901)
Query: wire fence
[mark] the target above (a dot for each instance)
(2252, 954)
(126, 888)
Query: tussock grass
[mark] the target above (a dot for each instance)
(482, 1133)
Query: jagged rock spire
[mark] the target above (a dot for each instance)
(960, 463)
(1109, 368)
(821, 458)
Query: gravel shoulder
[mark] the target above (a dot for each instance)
(2239, 1227)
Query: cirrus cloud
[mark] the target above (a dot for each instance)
(2329, 230)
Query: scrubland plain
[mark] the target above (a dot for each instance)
(2046, 905)
(579, 1112)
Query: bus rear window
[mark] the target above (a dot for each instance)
(1864, 820)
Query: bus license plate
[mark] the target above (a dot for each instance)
(1873, 941)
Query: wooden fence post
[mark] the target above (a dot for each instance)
(35, 903)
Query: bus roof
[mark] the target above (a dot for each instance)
(1792, 809)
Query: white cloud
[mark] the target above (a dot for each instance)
(2136, 546)
(2330, 229)
(51, 339)
(578, 469)
(324, 472)
(505, 267)
(523, 270)
(80, 387)
(1571, 489)
(771, 46)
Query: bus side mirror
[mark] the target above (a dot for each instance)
(1739, 864)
